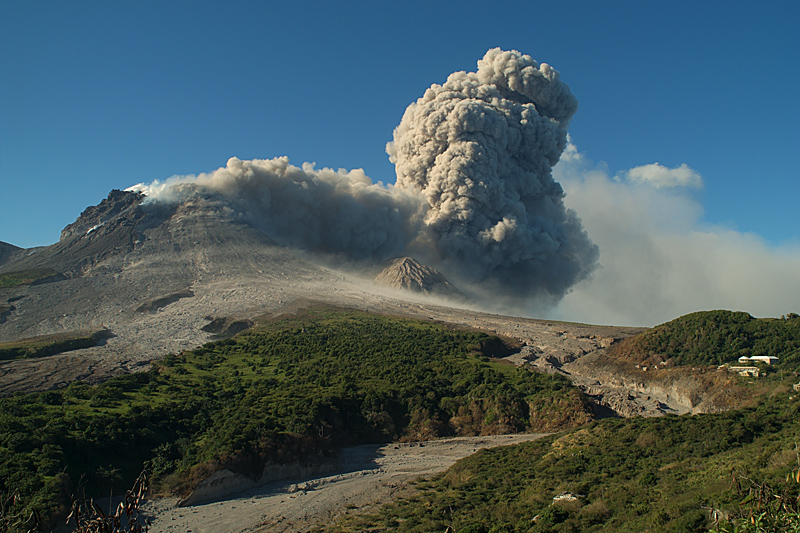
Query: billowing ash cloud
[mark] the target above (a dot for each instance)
(334, 212)
(481, 149)
(474, 197)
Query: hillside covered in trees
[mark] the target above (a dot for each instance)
(715, 338)
(671, 473)
(292, 389)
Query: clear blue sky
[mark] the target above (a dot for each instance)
(102, 95)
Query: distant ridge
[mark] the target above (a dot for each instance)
(7, 250)
(409, 274)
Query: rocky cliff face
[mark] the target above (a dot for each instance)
(409, 274)
(117, 209)
(111, 228)
(633, 390)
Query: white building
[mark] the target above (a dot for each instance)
(767, 359)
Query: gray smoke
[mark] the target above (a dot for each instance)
(474, 197)
(327, 211)
(481, 149)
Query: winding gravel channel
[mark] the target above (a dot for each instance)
(364, 476)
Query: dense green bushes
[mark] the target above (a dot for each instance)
(715, 338)
(295, 389)
(627, 475)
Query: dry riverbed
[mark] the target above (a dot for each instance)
(365, 475)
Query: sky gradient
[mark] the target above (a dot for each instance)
(99, 95)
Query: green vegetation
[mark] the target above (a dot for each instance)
(765, 508)
(295, 388)
(24, 277)
(715, 338)
(626, 475)
(45, 345)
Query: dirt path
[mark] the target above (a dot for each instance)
(366, 475)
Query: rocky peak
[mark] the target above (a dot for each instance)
(94, 217)
(409, 274)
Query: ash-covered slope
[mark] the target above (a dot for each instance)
(177, 243)
(409, 274)
(154, 276)
(7, 251)
(162, 278)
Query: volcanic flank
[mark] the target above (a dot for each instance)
(475, 197)
(6, 251)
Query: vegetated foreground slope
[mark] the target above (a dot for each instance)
(682, 362)
(615, 475)
(715, 338)
(295, 389)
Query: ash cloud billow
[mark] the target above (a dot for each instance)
(474, 196)
(327, 211)
(481, 149)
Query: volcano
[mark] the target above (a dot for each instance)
(409, 274)
(141, 279)
(158, 278)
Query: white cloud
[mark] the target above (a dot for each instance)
(660, 176)
(659, 260)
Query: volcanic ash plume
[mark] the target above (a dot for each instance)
(475, 196)
(333, 212)
(480, 149)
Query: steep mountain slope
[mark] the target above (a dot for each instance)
(161, 278)
(152, 277)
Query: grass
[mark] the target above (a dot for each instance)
(24, 277)
(628, 475)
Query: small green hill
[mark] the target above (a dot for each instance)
(293, 389)
(715, 338)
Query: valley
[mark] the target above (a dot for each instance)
(360, 478)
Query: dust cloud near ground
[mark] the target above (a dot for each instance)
(358, 478)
